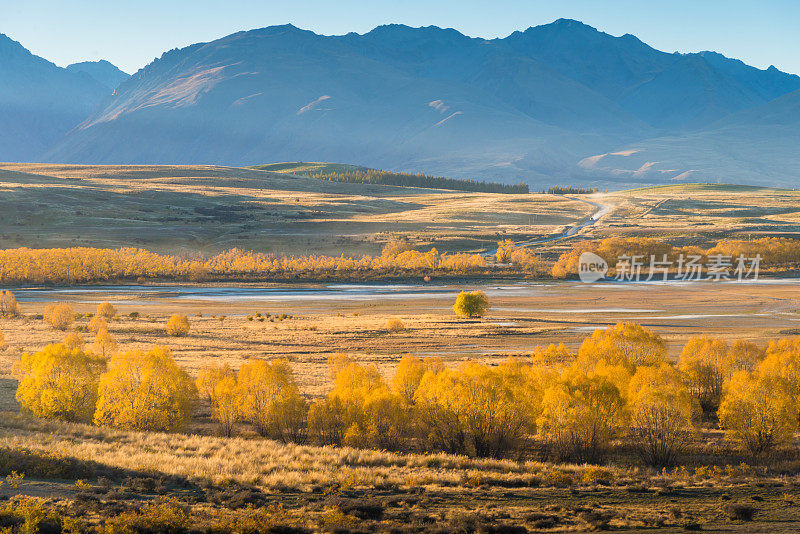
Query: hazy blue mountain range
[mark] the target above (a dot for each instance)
(559, 103)
(102, 71)
(39, 102)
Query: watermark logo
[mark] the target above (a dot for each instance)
(591, 267)
(687, 268)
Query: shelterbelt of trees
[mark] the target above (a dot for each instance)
(375, 176)
(77, 265)
(775, 252)
(398, 258)
(618, 392)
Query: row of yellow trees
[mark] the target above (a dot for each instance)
(774, 251)
(618, 388)
(77, 265)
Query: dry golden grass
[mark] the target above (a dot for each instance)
(206, 208)
(403, 493)
(703, 213)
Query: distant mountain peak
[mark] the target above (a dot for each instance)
(403, 32)
(571, 23)
(103, 71)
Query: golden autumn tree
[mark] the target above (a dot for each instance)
(394, 325)
(744, 356)
(73, 341)
(2, 341)
(388, 422)
(145, 391)
(505, 249)
(409, 373)
(662, 413)
(8, 304)
(526, 260)
(472, 410)
(353, 384)
(326, 421)
(225, 404)
(581, 413)
(270, 400)
(759, 411)
(395, 247)
(208, 376)
(97, 323)
(625, 344)
(704, 362)
(60, 316)
(472, 304)
(218, 385)
(58, 383)
(104, 344)
(178, 325)
(782, 360)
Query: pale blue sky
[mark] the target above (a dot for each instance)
(132, 33)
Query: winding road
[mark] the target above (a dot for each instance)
(602, 211)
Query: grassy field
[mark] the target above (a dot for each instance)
(699, 213)
(209, 209)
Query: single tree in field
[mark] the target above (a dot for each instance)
(97, 323)
(759, 412)
(178, 326)
(104, 344)
(8, 304)
(145, 391)
(472, 304)
(59, 316)
(58, 383)
(2, 341)
(106, 310)
(662, 414)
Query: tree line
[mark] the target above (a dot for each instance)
(561, 190)
(375, 176)
(619, 387)
(398, 258)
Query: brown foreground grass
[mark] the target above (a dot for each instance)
(211, 481)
